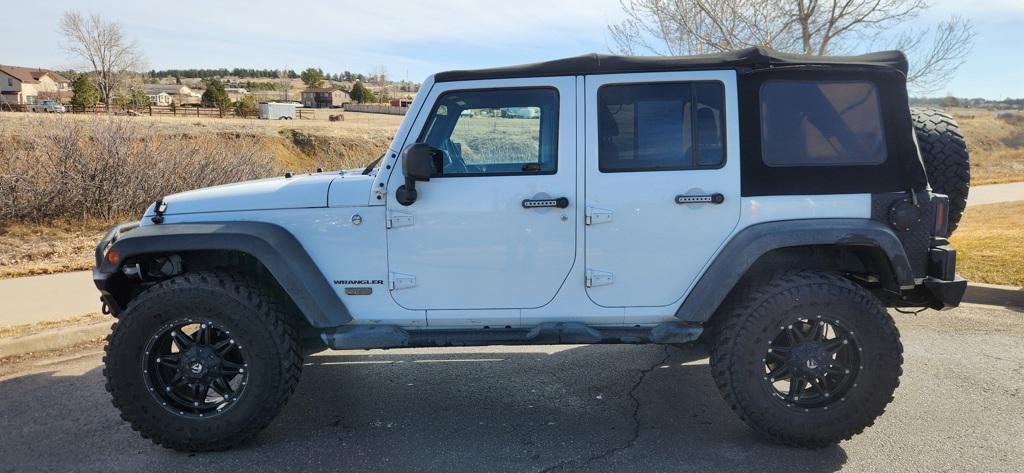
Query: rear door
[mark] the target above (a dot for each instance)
(662, 182)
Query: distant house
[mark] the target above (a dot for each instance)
(26, 85)
(180, 94)
(322, 97)
(236, 93)
(161, 99)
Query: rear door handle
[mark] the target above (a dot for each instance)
(716, 198)
(561, 202)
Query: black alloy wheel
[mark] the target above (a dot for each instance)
(195, 368)
(812, 363)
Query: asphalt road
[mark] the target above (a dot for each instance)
(554, 408)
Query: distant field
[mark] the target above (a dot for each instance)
(996, 145)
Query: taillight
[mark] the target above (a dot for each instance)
(941, 206)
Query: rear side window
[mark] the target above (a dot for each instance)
(821, 123)
(661, 126)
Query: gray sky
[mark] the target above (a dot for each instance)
(415, 38)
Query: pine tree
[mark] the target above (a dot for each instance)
(361, 94)
(85, 93)
(216, 96)
(312, 77)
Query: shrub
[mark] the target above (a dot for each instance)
(110, 167)
(247, 107)
(85, 92)
(216, 96)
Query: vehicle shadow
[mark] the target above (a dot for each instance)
(555, 408)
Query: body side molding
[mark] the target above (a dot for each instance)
(751, 243)
(276, 248)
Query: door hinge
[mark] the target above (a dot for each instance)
(398, 219)
(599, 278)
(402, 281)
(595, 216)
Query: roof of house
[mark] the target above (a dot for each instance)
(752, 58)
(168, 88)
(30, 75)
(318, 90)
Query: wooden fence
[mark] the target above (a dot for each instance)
(375, 108)
(157, 111)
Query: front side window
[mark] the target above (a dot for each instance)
(495, 132)
(661, 126)
(806, 123)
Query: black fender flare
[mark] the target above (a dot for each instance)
(276, 248)
(749, 244)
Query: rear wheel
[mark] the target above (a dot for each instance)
(945, 157)
(201, 362)
(807, 358)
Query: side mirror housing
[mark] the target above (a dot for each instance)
(420, 162)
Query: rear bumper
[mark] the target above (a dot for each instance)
(945, 286)
(946, 294)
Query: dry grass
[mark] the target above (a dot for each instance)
(29, 329)
(296, 145)
(996, 145)
(28, 249)
(988, 244)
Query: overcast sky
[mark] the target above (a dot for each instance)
(415, 38)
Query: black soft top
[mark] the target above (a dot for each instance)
(749, 58)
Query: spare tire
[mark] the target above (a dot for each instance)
(945, 157)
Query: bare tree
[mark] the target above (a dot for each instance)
(104, 46)
(283, 83)
(816, 27)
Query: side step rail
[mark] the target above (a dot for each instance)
(551, 333)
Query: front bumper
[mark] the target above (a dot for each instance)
(104, 271)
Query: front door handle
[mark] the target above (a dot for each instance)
(561, 202)
(716, 198)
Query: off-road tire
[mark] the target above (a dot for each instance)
(945, 157)
(751, 318)
(258, 321)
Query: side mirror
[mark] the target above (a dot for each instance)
(420, 162)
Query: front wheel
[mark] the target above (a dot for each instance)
(807, 358)
(202, 361)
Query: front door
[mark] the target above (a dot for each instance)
(662, 182)
(496, 229)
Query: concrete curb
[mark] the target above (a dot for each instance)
(55, 339)
(993, 294)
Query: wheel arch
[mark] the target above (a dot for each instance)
(270, 246)
(846, 245)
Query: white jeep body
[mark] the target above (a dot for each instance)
(468, 255)
(778, 201)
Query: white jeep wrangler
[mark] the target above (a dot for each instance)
(773, 205)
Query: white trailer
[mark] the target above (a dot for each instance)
(277, 111)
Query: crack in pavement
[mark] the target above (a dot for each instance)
(577, 463)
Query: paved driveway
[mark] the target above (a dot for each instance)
(551, 408)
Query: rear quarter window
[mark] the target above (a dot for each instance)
(812, 123)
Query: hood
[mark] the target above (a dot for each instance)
(299, 191)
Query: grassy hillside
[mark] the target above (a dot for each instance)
(996, 145)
